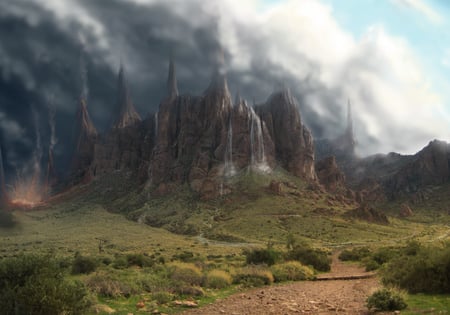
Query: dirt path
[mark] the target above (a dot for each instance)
(307, 297)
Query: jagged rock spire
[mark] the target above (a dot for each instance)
(3, 193)
(172, 88)
(127, 113)
(85, 127)
(219, 82)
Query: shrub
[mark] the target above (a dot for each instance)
(253, 276)
(311, 257)
(185, 256)
(386, 300)
(218, 279)
(266, 256)
(370, 264)
(109, 287)
(36, 285)
(426, 272)
(354, 254)
(292, 271)
(162, 297)
(186, 273)
(83, 265)
(120, 263)
(139, 260)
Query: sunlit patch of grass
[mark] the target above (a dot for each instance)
(425, 303)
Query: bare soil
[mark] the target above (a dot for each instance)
(306, 297)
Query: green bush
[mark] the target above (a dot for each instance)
(83, 265)
(139, 260)
(316, 258)
(427, 272)
(354, 254)
(386, 300)
(292, 271)
(120, 263)
(266, 256)
(218, 279)
(370, 264)
(36, 285)
(186, 273)
(253, 276)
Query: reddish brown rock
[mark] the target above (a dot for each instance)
(276, 187)
(405, 211)
(329, 174)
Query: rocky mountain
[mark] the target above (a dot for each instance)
(199, 140)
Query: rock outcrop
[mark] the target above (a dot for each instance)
(368, 213)
(329, 174)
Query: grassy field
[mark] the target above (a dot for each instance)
(213, 232)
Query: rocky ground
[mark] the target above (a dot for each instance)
(306, 297)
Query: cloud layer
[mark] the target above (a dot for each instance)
(295, 43)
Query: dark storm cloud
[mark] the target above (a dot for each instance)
(41, 43)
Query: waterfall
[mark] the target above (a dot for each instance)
(257, 154)
(229, 167)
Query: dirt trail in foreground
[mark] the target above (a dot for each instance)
(307, 297)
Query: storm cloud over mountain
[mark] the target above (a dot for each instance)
(297, 44)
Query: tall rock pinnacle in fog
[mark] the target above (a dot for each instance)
(85, 138)
(349, 137)
(3, 193)
(51, 177)
(127, 113)
(172, 88)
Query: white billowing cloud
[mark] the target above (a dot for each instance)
(395, 106)
(423, 8)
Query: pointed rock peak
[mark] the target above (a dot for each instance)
(219, 82)
(3, 193)
(85, 123)
(238, 99)
(127, 113)
(172, 87)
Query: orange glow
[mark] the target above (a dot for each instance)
(27, 193)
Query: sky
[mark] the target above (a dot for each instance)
(390, 58)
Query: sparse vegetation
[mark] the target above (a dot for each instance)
(386, 300)
(309, 256)
(253, 276)
(291, 271)
(218, 279)
(36, 285)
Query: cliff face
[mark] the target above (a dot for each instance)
(293, 141)
(430, 166)
(200, 140)
(3, 193)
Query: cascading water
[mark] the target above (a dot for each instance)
(229, 166)
(258, 160)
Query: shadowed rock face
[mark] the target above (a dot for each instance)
(430, 166)
(128, 116)
(85, 139)
(199, 140)
(294, 147)
(329, 174)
